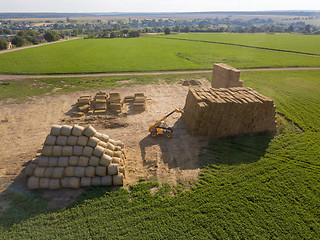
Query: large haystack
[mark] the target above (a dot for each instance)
(225, 76)
(221, 112)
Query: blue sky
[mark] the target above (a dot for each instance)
(154, 5)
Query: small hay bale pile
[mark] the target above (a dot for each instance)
(84, 103)
(74, 157)
(139, 103)
(100, 103)
(191, 82)
(221, 112)
(115, 102)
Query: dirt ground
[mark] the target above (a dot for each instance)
(24, 127)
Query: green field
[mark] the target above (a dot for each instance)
(254, 187)
(149, 54)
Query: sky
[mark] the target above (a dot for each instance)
(154, 5)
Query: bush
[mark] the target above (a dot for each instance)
(3, 43)
(51, 36)
(19, 41)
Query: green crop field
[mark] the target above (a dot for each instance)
(253, 187)
(148, 54)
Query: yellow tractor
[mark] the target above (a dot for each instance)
(161, 127)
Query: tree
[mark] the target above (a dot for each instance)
(134, 34)
(51, 36)
(167, 31)
(3, 43)
(18, 41)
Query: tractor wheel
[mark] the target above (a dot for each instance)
(154, 133)
(168, 134)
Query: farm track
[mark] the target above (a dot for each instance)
(20, 77)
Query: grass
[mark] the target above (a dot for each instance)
(254, 187)
(144, 54)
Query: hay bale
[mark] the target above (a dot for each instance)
(48, 172)
(117, 180)
(77, 130)
(113, 142)
(85, 182)
(57, 151)
(61, 140)
(73, 161)
(90, 171)
(105, 160)
(63, 161)
(106, 181)
(102, 144)
(83, 161)
(105, 137)
(67, 151)
(33, 183)
(96, 181)
(54, 184)
(98, 151)
(87, 151)
(119, 143)
(53, 161)
(70, 171)
(84, 108)
(113, 169)
(72, 140)
(77, 150)
(39, 172)
(82, 140)
(98, 135)
(89, 131)
(64, 182)
(50, 140)
(108, 152)
(46, 150)
(59, 172)
(74, 182)
(44, 183)
(93, 142)
(79, 171)
(30, 169)
(122, 170)
(43, 161)
(101, 171)
(117, 154)
(55, 130)
(94, 161)
(77, 114)
(66, 130)
(116, 160)
(117, 148)
(110, 146)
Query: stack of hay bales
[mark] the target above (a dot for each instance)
(191, 82)
(100, 103)
(115, 102)
(84, 103)
(228, 111)
(225, 76)
(139, 103)
(74, 157)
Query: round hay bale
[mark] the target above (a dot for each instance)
(83, 161)
(47, 150)
(102, 144)
(82, 141)
(74, 182)
(87, 151)
(90, 171)
(54, 184)
(98, 151)
(33, 183)
(50, 140)
(79, 171)
(105, 137)
(77, 150)
(110, 146)
(53, 161)
(119, 144)
(117, 154)
(122, 170)
(117, 148)
(61, 140)
(64, 182)
(106, 181)
(116, 160)
(77, 130)
(29, 169)
(85, 182)
(70, 171)
(73, 161)
(98, 135)
(117, 180)
(96, 181)
(66, 130)
(44, 183)
(105, 160)
(39, 172)
(89, 131)
(43, 161)
(48, 172)
(108, 152)
(101, 171)
(67, 151)
(57, 151)
(59, 172)
(55, 130)
(94, 161)
(113, 142)
(113, 169)
(93, 142)
(63, 162)
(72, 140)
